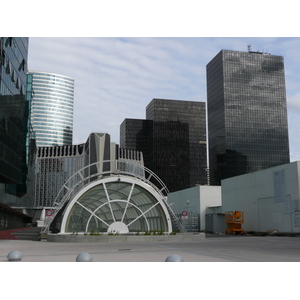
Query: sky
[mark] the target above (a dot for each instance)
(117, 77)
(122, 54)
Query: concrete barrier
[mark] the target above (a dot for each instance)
(84, 257)
(174, 258)
(81, 238)
(14, 255)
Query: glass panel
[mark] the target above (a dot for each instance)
(116, 209)
(77, 219)
(118, 190)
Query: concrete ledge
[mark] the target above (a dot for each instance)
(73, 238)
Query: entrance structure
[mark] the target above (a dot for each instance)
(122, 200)
(117, 204)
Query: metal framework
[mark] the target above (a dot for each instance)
(117, 215)
(89, 176)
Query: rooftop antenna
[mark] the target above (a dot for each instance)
(249, 47)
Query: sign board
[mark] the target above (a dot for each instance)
(49, 214)
(184, 215)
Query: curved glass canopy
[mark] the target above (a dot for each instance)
(116, 205)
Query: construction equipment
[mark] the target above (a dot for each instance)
(234, 220)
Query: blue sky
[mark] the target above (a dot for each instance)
(115, 78)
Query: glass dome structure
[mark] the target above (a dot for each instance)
(121, 200)
(118, 204)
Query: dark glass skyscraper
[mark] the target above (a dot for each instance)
(247, 114)
(13, 113)
(173, 141)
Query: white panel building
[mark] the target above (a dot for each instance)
(269, 198)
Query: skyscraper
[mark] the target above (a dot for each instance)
(52, 108)
(172, 140)
(247, 114)
(13, 106)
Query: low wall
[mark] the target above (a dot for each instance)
(73, 238)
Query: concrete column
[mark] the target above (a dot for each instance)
(41, 221)
(43, 215)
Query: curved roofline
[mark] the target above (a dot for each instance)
(51, 73)
(117, 178)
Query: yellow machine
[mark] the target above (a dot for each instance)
(234, 220)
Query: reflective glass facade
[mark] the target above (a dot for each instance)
(187, 143)
(52, 109)
(247, 114)
(13, 113)
(173, 141)
(136, 134)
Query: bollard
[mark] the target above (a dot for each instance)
(14, 255)
(174, 258)
(84, 257)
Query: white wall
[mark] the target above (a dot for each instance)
(209, 196)
(178, 200)
(256, 193)
(200, 197)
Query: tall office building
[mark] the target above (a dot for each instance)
(137, 134)
(52, 108)
(172, 140)
(13, 114)
(247, 113)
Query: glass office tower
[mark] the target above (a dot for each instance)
(13, 113)
(247, 113)
(52, 108)
(172, 140)
(188, 117)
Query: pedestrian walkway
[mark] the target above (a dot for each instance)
(221, 249)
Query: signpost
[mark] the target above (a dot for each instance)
(184, 215)
(49, 214)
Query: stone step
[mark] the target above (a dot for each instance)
(32, 233)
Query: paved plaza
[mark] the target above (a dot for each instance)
(212, 249)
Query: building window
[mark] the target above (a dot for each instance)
(8, 42)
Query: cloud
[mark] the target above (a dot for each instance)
(116, 78)
(293, 104)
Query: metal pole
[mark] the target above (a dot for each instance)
(187, 204)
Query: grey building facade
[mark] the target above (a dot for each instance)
(247, 113)
(58, 166)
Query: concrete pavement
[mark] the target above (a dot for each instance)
(212, 249)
